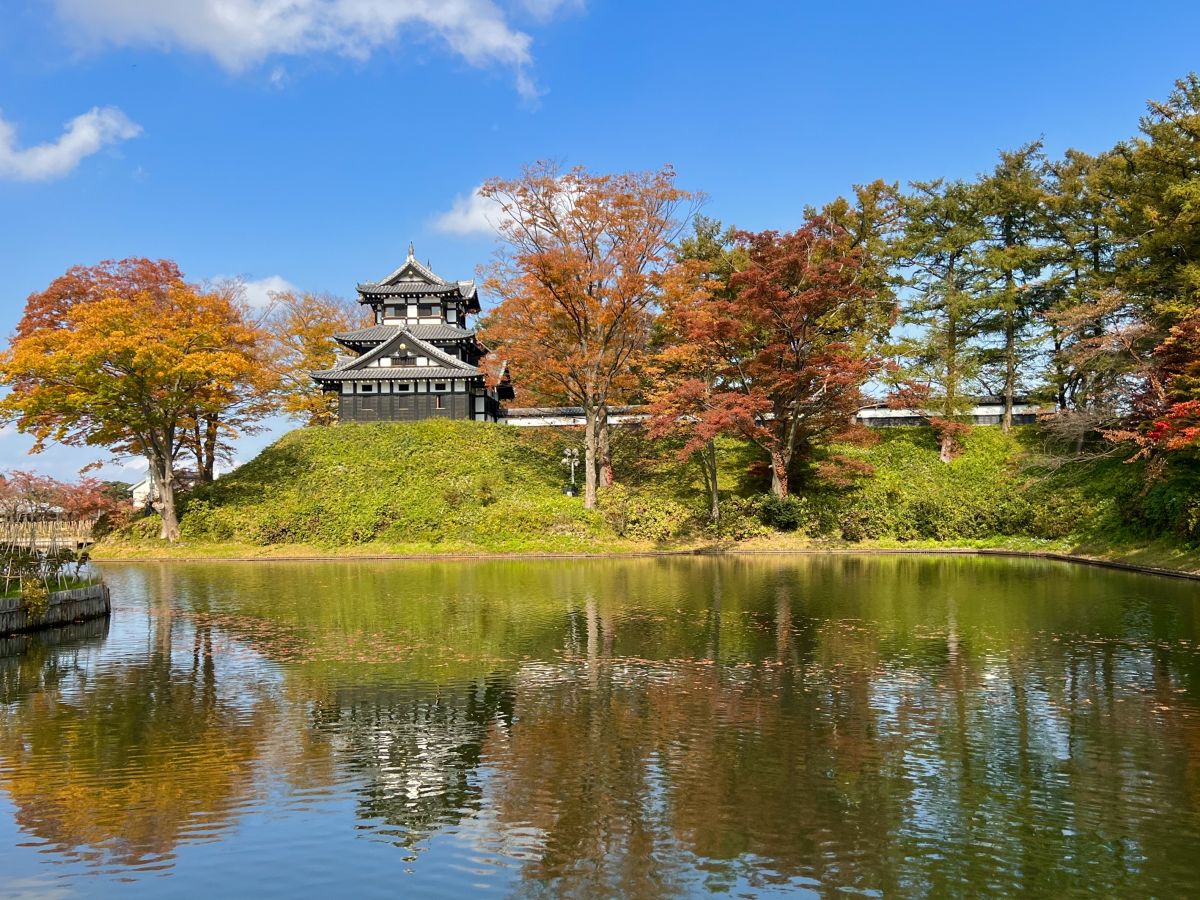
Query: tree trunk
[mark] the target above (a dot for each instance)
(952, 401)
(589, 457)
(1010, 368)
(779, 474)
(946, 453)
(714, 496)
(165, 476)
(1010, 333)
(209, 469)
(196, 444)
(603, 448)
(951, 360)
(1060, 373)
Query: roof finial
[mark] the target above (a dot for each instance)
(411, 253)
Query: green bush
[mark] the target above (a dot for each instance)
(741, 518)
(913, 496)
(35, 598)
(785, 513)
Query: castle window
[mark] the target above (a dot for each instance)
(402, 386)
(366, 388)
(439, 386)
(439, 402)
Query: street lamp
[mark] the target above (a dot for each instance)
(571, 459)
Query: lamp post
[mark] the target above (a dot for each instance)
(571, 459)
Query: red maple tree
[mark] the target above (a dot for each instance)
(780, 358)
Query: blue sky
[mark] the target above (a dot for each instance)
(308, 142)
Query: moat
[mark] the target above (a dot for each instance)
(915, 725)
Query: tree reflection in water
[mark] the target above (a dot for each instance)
(117, 764)
(642, 728)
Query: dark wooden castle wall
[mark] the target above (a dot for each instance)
(402, 407)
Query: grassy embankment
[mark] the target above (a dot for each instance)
(445, 487)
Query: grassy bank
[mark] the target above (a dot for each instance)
(464, 488)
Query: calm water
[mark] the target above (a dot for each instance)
(648, 727)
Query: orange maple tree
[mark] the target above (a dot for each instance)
(581, 267)
(131, 371)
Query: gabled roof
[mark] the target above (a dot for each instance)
(360, 368)
(414, 279)
(411, 270)
(419, 288)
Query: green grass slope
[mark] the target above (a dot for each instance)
(435, 483)
(987, 491)
(440, 486)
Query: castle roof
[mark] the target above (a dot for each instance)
(360, 369)
(376, 333)
(412, 279)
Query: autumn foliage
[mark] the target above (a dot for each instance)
(301, 327)
(23, 492)
(136, 361)
(582, 264)
(779, 355)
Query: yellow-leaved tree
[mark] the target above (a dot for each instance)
(134, 370)
(302, 326)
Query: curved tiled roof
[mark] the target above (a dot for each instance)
(369, 335)
(376, 333)
(407, 373)
(440, 332)
(413, 287)
(360, 369)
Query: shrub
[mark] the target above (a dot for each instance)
(35, 598)
(201, 522)
(1169, 505)
(785, 513)
(113, 521)
(741, 519)
(855, 525)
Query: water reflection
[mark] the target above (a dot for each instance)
(415, 752)
(116, 761)
(641, 727)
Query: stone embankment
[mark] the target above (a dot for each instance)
(76, 605)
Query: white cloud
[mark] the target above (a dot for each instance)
(473, 214)
(258, 293)
(543, 10)
(83, 136)
(239, 34)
